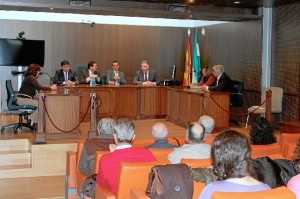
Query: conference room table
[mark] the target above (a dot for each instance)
(176, 104)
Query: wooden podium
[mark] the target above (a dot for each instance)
(58, 115)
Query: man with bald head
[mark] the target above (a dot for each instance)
(160, 133)
(194, 149)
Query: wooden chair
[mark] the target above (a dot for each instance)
(265, 150)
(194, 163)
(132, 175)
(277, 193)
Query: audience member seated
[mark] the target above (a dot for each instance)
(160, 133)
(294, 182)
(195, 149)
(101, 143)
(207, 78)
(261, 132)
(208, 123)
(231, 154)
(121, 151)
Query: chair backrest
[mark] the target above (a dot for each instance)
(236, 98)
(79, 69)
(277, 193)
(11, 99)
(133, 175)
(265, 150)
(277, 95)
(194, 163)
(161, 154)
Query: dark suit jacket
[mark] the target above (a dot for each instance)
(111, 74)
(224, 84)
(59, 77)
(85, 74)
(161, 144)
(139, 77)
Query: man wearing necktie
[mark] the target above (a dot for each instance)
(65, 76)
(90, 74)
(114, 75)
(145, 76)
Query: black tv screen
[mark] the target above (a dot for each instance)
(18, 52)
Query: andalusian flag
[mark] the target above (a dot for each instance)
(196, 60)
(188, 63)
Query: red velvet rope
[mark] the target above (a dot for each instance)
(239, 115)
(66, 131)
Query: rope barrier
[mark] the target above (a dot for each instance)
(66, 131)
(239, 115)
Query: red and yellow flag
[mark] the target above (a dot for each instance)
(188, 63)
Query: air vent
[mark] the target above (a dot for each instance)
(177, 8)
(80, 2)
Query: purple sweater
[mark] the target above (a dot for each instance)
(226, 186)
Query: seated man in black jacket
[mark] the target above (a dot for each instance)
(65, 75)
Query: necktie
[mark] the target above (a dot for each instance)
(145, 77)
(66, 76)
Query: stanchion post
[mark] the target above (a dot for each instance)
(269, 105)
(40, 135)
(93, 123)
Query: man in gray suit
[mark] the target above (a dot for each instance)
(114, 76)
(145, 76)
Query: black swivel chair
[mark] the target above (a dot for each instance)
(15, 109)
(236, 98)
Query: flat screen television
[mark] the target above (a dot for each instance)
(19, 52)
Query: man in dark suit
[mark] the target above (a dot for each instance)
(145, 76)
(114, 76)
(222, 82)
(65, 75)
(90, 74)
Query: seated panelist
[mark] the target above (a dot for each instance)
(115, 76)
(90, 74)
(145, 76)
(65, 76)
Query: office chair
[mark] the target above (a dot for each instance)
(103, 79)
(15, 109)
(276, 106)
(79, 69)
(236, 98)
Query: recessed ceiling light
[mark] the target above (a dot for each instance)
(236, 2)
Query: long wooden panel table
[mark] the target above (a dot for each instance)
(176, 104)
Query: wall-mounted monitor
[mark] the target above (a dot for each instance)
(19, 52)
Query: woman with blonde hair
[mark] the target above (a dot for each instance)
(207, 77)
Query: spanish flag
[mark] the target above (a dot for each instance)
(188, 63)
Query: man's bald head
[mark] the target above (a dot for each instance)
(195, 133)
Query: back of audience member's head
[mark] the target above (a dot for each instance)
(106, 126)
(262, 132)
(208, 123)
(159, 130)
(230, 154)
(296, 155)
(124, 131)
(195, 133)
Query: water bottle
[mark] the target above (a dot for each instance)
(117, 83)
(92, 82)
